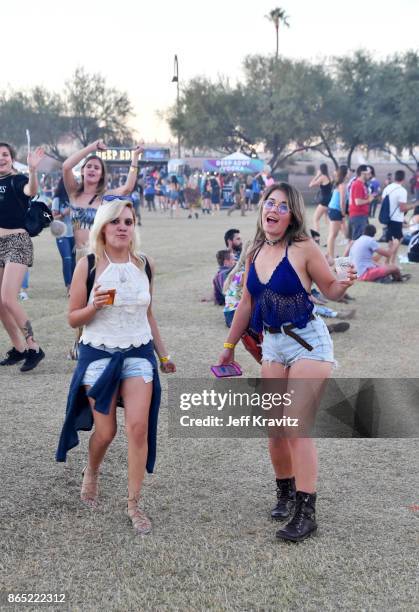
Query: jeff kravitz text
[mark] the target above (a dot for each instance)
(242, 421)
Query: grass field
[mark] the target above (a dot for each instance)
(213, 546)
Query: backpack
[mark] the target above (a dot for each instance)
(413, 250)
(91, 273)
(384, 216)
(37, 215)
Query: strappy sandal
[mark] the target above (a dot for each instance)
(140, 521)
(89, 488)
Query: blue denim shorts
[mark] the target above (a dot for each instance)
(334, 214)
(133, 366)
(280, 348)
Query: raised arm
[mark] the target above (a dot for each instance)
(70, 182)
(129, 186)
(319, 271)
(316, 181)
(34, 159)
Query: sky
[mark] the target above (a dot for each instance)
(133, 43)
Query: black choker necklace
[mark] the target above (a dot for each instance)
(273, 242)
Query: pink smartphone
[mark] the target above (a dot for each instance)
(222, 371)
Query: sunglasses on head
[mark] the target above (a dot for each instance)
(111, 198)
(282, 207)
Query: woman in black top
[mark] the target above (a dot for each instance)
(323, 182)
(16, 255)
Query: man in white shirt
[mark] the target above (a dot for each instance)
(398, 206)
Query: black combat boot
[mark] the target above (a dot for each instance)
(303, 523)
(285, 492)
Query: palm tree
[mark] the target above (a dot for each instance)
(277, 16)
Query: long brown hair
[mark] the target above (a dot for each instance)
(101, 186)
(341, 173)
(296, 231)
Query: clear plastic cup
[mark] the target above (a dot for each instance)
(111, 297)
(342, 266)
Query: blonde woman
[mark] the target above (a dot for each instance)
(281, 266)
(116, 355)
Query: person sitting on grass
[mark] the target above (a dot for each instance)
(362, 256)
(233, 286)
(226, 263)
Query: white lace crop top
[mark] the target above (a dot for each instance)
(124, 323)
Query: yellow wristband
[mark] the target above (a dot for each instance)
(229, 345)
(165, 359)
(133, 168)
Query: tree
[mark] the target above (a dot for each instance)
(15, 116)
(388, 111)
(210, 115)
(293, 107)
(49, 121)
(96, 110)
(277, 16)
(354, 77)
(395, 109)
(409, 104)
(284, 105)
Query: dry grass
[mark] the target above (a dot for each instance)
(213, 546)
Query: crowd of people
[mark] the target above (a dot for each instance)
(350, 203)
(276, 285)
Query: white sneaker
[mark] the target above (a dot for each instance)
(23, 296)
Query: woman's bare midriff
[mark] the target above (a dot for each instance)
(81, 234)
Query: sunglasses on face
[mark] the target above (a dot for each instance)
(111, 198)
(281, 207)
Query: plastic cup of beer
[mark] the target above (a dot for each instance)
(111, 297)
(342, 266)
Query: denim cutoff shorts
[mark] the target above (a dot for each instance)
(280, 348)
(133, 366)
